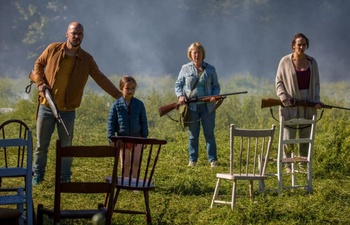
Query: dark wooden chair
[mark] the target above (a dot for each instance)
(9, 216)
(138, 177)
(16, 167)
(82, 187)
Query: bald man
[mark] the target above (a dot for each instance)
(67, 68)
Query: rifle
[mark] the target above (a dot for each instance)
(168, 108)
(54, 109)
(49, 99)
(269, 102)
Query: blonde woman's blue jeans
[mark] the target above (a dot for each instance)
(202, 117)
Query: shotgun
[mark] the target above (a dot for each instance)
(54, 109)
(168, 108)
(270, 102)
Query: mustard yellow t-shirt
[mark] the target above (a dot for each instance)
(59, 88)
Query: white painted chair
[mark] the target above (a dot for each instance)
(297, 175)
(16, 162)
(249, 154)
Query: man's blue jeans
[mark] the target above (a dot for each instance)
(45, 127)
(202, 116)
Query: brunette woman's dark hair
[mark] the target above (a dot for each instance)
(300, 35)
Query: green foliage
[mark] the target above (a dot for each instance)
(183, 194)
(7, 94)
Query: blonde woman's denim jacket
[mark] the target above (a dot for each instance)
(187, 79)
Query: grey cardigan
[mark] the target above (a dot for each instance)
(287, 87)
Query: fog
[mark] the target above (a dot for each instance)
(150, 37)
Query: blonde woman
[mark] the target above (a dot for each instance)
(198, 78)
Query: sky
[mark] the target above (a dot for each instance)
(241, 37)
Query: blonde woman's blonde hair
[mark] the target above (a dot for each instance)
(195, 45)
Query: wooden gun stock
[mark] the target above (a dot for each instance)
(167, 108)
(270, 102)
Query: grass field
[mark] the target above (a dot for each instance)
(183, 194)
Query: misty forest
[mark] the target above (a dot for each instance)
(244, 40)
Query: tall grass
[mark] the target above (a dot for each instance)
(183, 194)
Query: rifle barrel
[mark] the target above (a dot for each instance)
(64, 126)
(54, 109)
(195, 99)
(269, 102)
(336, 107)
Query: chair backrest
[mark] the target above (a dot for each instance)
(13, 129)
(143, 150)
(15, 143)
(17, 146)
(22, 148)
(249, 150)
(298, 123)
(89, 186)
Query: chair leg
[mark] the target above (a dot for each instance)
(116, 198)
(33, 213)
(279, 176)
(23, 216)
(294, 181)
(233, 200)
(30, 214)
(261, 186)
(216, 192)
(309, 177)
(148, 211)
(251, 193)
(105, 200)
(40, 215)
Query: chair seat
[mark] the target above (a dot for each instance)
(295, 159)
(133, 184)
(71, 214)
(240, 176)
(9, 216)
(13, 172)
(12, 199)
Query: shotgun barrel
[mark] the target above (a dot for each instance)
(270, 102)
(54, 109)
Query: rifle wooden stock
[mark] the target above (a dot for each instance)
(270, 102)
(168, 108)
